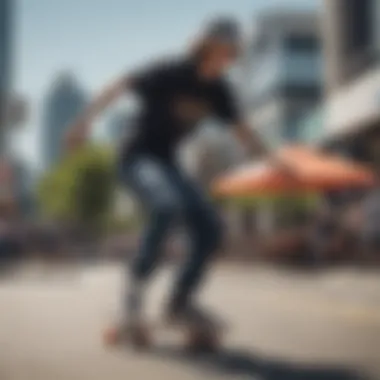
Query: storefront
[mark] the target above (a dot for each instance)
(352, 119)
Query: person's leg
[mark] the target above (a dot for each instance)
(153, 183)
(205, 235)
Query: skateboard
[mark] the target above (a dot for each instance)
(201, 334)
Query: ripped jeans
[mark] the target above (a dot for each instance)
(166, 193)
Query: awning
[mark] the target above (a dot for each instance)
(314, 172)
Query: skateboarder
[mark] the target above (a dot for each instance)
(176, 95)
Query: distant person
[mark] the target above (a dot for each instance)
(177, 94)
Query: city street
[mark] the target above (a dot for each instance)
(283, 325)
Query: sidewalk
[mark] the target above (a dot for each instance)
(283, 326)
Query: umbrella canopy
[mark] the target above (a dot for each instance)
(314, 171)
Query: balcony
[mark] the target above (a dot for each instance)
(281, 74)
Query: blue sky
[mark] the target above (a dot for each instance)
(98, 39)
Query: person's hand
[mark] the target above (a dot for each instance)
(285, 169)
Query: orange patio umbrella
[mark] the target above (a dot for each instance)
(314, 171)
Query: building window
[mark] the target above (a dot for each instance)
(302, 63)
(301, 44)
(358, 29)
(358, 24)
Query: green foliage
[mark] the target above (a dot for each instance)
(79, 189)
(116, 226)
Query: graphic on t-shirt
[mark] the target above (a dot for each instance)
(190, 110)
(175, 99)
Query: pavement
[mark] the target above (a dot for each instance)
(283, 325)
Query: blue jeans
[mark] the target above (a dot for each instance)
(166, 194)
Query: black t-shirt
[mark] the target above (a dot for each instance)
(174, 100)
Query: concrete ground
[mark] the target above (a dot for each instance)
(284, 325)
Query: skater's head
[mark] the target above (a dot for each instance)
(218, 46)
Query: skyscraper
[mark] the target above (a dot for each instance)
(64, 101)
(5, 62)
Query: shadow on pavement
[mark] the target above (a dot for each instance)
(242, 363)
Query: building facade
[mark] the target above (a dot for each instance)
(6, 18)
(14, 188)
(64, 101)
(284, 63)
(352, 46)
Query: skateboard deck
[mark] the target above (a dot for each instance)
(204, 321)
(197, 334)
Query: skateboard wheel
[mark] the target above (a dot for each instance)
(113, 337)
(203, 341)
(139, 337)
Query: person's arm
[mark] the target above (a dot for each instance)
(250, 140)
(256, 147)
(80, 129)
(229, 112)
(144, 82)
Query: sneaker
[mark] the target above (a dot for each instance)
(191, 315)
(137, 334)
(203, 330)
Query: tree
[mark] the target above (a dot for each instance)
(79, 189)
